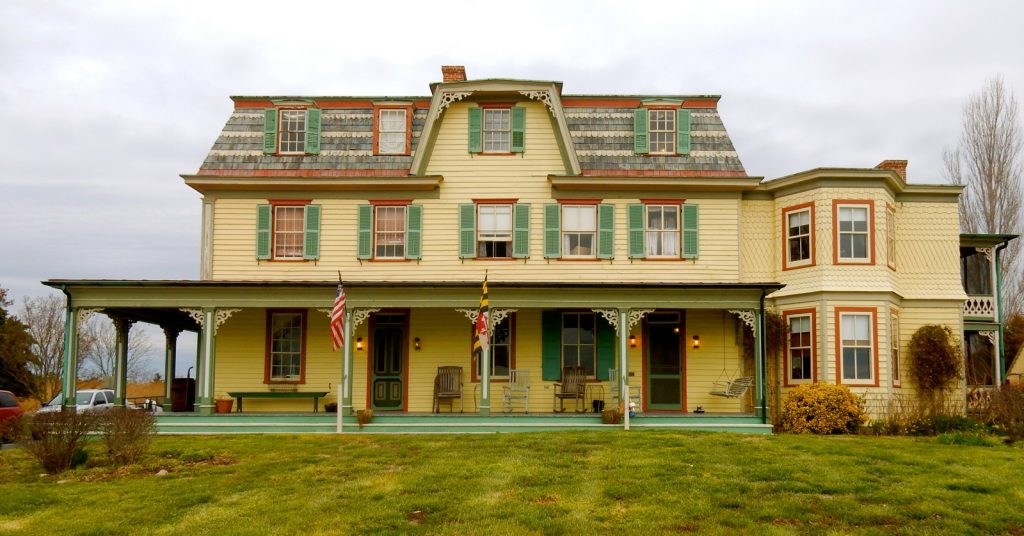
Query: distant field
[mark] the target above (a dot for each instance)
(545, 483)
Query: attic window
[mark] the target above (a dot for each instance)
(293, 131)
(662, 129)
(392, 129)
(497, 130)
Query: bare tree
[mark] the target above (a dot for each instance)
(987, 161)
(102, 358)
(44, 317)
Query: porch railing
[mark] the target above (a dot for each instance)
(980, 307)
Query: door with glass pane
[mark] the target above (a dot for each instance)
(664, 362)
(387, 384)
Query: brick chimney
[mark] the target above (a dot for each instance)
(899, 166)
(453, 73)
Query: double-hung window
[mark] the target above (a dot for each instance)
(389, 232)
(857, 346)
(579, 230)
(662, 230)
(853, 232)
(494, 231)
(662, 131)
(288, 230)
(801, 348)
(799, 223)
(497, 130)
(285, 346)
(579, 342)
(292, 131)
(392, 127)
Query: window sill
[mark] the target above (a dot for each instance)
(495, 154)
(287, 260)
(389, 260)
(794, 266)
(580, 259)
(488, 259)
(284, 382)
(797, 383)
(662, 259)
(857, 383)
(854, 262)
(406, 153)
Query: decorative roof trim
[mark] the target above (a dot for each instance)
(811, 178)
(205, 184)
(659, 183)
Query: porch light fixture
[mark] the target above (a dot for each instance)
(696, 342)
(359, 344)
(416, 343)
(632, 340)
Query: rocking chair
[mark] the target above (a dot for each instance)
(572, 387)
(448, 386)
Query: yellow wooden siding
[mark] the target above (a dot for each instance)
(928, 250)
(757, 234)
(719, 358)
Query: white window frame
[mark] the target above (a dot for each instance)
(809, 347)
(840, 233)
(293, 356)
(496, 138)
(857, 344)
(295, 238)
(496, 234)
(399, 132)
(790, 261)
(389, 238)
(662, 137)
(579, 233)
(661, 236)
(291, 140)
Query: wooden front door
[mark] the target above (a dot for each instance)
(387, 383)
(664, 362)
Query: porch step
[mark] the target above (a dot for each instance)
(246, 423)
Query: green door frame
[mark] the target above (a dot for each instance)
(648, 371)
(403, 375)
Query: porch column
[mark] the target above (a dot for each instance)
(623, 378)
(347, 359)
(760, 371)
(121, 326)
(70, 372)
(170, 363)
(485, 380)
(204, 402)
(198, 371)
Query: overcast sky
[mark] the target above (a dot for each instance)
(104, 104)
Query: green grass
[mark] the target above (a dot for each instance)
(544, 483)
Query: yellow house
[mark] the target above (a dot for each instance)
(625, 247)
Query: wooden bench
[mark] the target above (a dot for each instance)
(315, 395)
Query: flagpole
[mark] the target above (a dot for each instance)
(485, 351)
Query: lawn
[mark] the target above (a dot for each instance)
(543, 483)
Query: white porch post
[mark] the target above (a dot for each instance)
(623, 367)
(209, 337)
(121, 326)
(170, 363)
(760, 396)
(70, 376)
(347, 358)
(485, 381)
(198, 370)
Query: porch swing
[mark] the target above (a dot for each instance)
(732, 387)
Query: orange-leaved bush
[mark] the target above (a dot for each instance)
(822, 408)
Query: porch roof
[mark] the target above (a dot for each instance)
(171, 294)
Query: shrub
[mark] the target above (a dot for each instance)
(935, 358)
(1006, 411)
(127, 434)
(13, 430)
(969, 439)
(58, 438)
(822, 408)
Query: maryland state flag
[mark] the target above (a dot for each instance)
(481, 335)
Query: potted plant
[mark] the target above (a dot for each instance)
(223, 405)
(364, 416)
(611, 416)
(331, 407)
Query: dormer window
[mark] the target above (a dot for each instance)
(662, 129)
(497, 129)
(291, 131)
(392, 128)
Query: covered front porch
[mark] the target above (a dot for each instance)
(669, 346)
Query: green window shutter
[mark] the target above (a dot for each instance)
(467, 231)
(365, 248)
(413, 231)
(552, 231)
(690, 224)
(475, 130)
(637, 244)
(311, 242)
(518, 129)
(521, 231)
(313, 131)
(551, 345)
(263, 231)
(605, 231)
(683, 132)
(605, 347)
(640, 138)
(270, 131)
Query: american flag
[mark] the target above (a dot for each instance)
(481, 339)
(338, 320)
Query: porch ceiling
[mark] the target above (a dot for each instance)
(127, 294)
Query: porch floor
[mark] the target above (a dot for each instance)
(409, 423)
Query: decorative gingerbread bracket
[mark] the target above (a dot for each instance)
(747, 316)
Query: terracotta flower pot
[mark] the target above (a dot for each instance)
(224, 405)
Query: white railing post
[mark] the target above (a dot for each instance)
(625, 415)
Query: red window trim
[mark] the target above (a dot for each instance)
(390, 202)
(787, 381)
(277, 152)
(408, 128)
(675, 135)
(785, 237)
(873, 311)
(504, 201)
(896, 379)
(475, 375)
(679, 233)
(405, 357)
(666, 201)
(496, 106)
(889, 259)
(267, 344)
(373, 229)
(590, 201)
(870, 203)
(274, 203)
